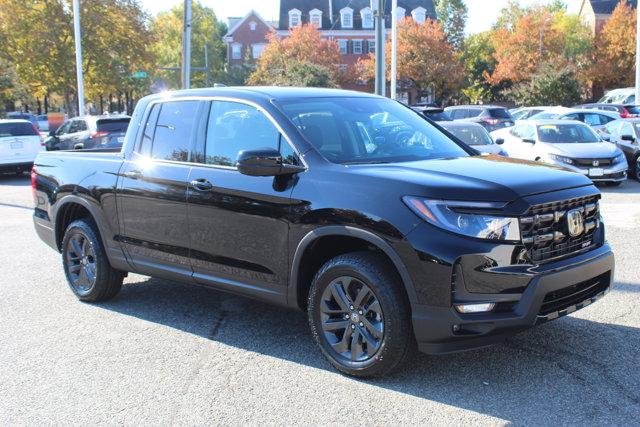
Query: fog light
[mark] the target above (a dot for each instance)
(475, 308)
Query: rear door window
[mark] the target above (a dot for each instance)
(593, 119)
(16, 129)
(474, 112)
(112, 125)
(173, 131)
(458, 113)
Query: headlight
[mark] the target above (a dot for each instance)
(561, 159)
(618, 159)
(449, 215)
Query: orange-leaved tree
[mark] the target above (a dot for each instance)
(425, 59)
(614, 56)
(304, 48)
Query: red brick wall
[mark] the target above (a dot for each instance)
(246, 37)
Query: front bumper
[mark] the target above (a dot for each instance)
(615, 173)
(443, 330)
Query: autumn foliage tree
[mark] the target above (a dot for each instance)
(614, 55)
(283, 60)
(425, 59)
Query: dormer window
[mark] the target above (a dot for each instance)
(253, 25)
(419, 14)
(401, 13)
(367, 17)
(295, 18)
(346, 17)
(315, 18)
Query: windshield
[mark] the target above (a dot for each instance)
(567, 134)
(368, 130)
(438, 116)
(471, 135)
(544, 116)
(499, 113)
(17, 129)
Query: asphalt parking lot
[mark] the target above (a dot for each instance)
(168, 353)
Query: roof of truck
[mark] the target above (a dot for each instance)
(271, 92)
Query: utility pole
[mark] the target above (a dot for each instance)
(186, 46)
(377, 6)
(638, 57)
(394, 49)
(78, 39)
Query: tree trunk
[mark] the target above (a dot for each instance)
(46, 104)
(101, 105)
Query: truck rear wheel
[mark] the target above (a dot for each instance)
(85, 263)
(360, 316)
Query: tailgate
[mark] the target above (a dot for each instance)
(14, 149)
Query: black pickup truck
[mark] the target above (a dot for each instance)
(386, 229)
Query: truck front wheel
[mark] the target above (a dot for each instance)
(85, 263)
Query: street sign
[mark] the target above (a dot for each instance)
(140, 75)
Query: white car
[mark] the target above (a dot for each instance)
(474, 135)
(567, 143)
(524, 113)
(597, 119)
(20, 142)
(619, 96)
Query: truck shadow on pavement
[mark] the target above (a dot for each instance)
(568, 371)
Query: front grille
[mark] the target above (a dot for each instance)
(574, 294)
(589, 162)
(544, 229)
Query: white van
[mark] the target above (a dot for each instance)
(20, 142)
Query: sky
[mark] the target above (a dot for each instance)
(482, 13)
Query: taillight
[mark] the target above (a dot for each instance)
(34, 179)
(626, 114)
(98, 134)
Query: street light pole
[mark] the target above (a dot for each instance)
(186, 46)
(78, 40)
(394, 48)
(638, 56)
(378, 10)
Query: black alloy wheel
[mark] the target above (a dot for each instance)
(352, 319)
(81, 263)
(636, 169)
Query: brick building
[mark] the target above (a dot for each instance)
(595, 13)
(246, 38)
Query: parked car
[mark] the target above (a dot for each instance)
(597, 119)
(619, 96)
(20, 142)
(625, 111)
(475, 136)
(43, 123)
(19, 115)
(567, 143)
(89, 132)
(489, 116)
(524, 113)
(346, 205)
(626, 135)
(436, 114)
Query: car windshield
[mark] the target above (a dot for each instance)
(438, 116)
(499, 113)
(113, 125)
(567, 134)
(471, 135)
(368, 130)
(16, 129)
(544, 116)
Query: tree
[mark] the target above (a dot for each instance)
(205, 30)
(425, 59)
(304, 74)
(304, 49)
(550, 85)
(614, 55)
(453, 16)
(479, 63)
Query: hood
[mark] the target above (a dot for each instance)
(597, 150)
(477, 178)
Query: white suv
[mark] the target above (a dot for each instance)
(20, 142)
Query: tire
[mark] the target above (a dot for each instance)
(383, 333)
(636, 168)
(85, 263)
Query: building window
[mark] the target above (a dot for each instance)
(253, 26)
(401, 13)
(295, 18)
(357, 47)
(343, 47)
(372, 45)
(315, 18)
(236, 51)
(346, 17)
(256, 50)
(367, 17)
(419, 14)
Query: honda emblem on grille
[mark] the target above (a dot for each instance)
(575, 222)
(596, 163)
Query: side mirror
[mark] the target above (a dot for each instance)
(500, 141)
(529, 140)
(629, 138)
(264, 162)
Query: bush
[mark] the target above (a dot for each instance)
(550, 85)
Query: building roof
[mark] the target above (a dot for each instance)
(606, 7)
(235, 23)
(331, 11)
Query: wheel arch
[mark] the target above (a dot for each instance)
(304, 265)
(72, 208)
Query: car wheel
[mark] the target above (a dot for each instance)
(636, 169)
(359, 315)
(86, 266)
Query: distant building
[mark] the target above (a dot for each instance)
(246, 38)
(349, 22)
(595, 13)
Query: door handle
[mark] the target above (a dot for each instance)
(201, 185)
(133, 174)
